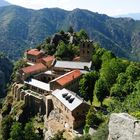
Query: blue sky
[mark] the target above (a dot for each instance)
(109, 7)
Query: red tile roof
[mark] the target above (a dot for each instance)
(34, 68)
(34, 52)
(68, 77)
(48, 58)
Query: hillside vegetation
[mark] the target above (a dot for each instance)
(22, 28)
(5, 72)
(113, 85)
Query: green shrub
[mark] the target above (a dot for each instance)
(102, 133)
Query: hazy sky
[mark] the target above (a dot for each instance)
(109, 7)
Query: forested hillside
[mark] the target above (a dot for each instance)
(22, 28)
(6, 68)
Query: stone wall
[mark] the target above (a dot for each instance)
(33, 101)
(65, 113)
(80, 115)
(35, 105)
(73, 119)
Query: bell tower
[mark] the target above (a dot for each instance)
(86, 48)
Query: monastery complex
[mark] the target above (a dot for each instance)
(50, 86)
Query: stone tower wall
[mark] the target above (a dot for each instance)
(86, 49)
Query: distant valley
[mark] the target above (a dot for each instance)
(22, 28)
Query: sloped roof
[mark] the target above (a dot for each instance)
(34, 52)
(48, 58)
(59, 94)
(33, 68)
(72, 65)
(38, 84)
(68, 77)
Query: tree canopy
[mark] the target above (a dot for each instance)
(87, 85)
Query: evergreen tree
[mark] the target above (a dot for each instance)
(87, 85)
(101, 89)
(16, 132)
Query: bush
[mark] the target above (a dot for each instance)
(102, 133)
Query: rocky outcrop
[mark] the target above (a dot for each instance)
(122, 126)
(56, 38)
(65, 37)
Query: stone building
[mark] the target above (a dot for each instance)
(62, 67)
(48, 61)
(31, 70)
(34, 102)
(86, 49)
(71, 107)
(33, 55)
(38, 86)
(70, 80)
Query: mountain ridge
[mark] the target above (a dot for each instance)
(23, 28)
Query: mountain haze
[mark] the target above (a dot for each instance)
(135, 16)
(22, 28)
(4, 3)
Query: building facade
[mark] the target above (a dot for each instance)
(71, 107)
